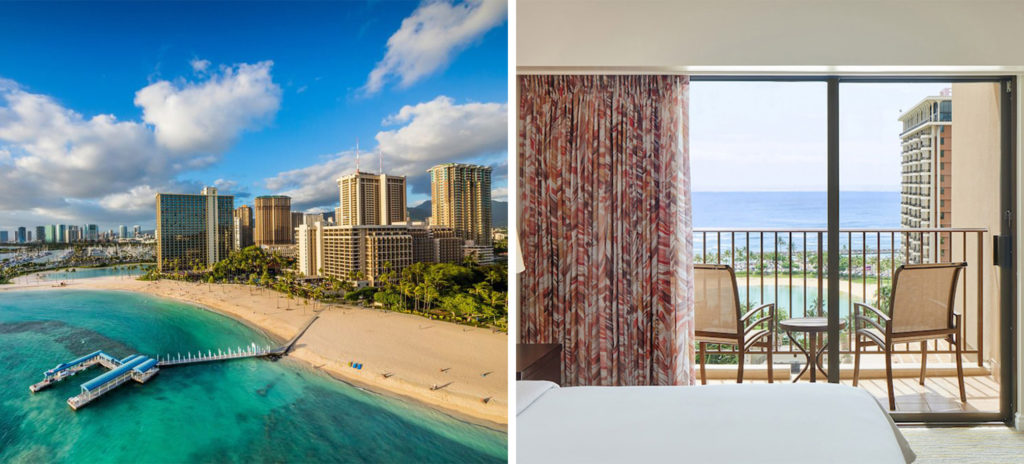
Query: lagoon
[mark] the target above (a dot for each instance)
(91, 272)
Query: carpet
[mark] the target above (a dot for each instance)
(962, 445)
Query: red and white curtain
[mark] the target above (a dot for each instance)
(605, 226)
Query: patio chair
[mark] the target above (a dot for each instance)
(718, 320)
(921, 309)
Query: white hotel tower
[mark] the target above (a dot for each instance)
(927, 167)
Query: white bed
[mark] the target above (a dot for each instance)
(722, 423)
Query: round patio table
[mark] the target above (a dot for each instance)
(814, 327)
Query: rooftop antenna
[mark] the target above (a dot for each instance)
(380, 160)
(357, 155)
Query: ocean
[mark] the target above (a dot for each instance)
(250, 410)
(792, 211)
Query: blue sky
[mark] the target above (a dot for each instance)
(772, 136)
(104, 104)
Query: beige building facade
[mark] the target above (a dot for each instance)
(460, 196)
(976, 203)
(273, 220)
(367, 252)
(363, 253)
(243, 227)
(371, 199)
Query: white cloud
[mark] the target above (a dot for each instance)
(225, 184)
(59, 164)
(441, 131)
(208, 116)
(65, 154)
(431, 36)
(499, 194)
(230, 187)
(314, 185)
(138, 199)
(199, 66)
(778, 141)
(438, 131)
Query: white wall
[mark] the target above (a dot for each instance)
(569, 33)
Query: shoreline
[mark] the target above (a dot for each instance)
(400, 351)
(783, 281)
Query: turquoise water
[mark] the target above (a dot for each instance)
(88, 273)
(238, 411)
(782, 301)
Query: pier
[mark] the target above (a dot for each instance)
(142, 368)
(252, 351)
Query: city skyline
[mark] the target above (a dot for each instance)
(405, 82)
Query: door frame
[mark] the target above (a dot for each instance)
(1008, 193)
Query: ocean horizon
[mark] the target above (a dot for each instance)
(793, 211)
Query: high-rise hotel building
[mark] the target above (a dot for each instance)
(243, 222)
(927, 177)
(193, 229)
(460, 196)
(372, 235)
(273, 220)
(371, 199)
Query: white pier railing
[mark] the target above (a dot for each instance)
(251, 351)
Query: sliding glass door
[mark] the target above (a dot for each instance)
(882, 206)
(758, 174)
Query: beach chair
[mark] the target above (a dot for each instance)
(718, 318)
(920, 309)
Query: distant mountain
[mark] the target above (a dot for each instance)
(499, 213)
(419, 212)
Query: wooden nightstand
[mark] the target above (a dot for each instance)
(539, 361)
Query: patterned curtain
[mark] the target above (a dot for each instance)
(605, 225)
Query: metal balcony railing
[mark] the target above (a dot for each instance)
(766, 259)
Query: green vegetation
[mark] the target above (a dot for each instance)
(501, 246)
(800, 264)
(467, 294)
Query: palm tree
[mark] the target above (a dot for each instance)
(493, 276)
(318, 293)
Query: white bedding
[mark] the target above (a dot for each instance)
(708, 424)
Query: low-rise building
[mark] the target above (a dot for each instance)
(360, 253)
(481, 254)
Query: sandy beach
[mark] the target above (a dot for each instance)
(857, 289)
(457, 369)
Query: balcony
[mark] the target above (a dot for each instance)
(784, 267)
